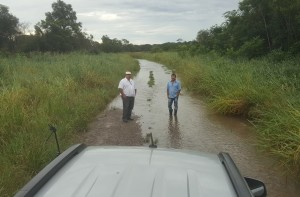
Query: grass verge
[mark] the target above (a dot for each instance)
(63, 90)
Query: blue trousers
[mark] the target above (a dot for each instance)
(170, 103)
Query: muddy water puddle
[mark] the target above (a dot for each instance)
(197, 128)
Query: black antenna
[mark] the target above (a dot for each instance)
(152, 145)
(53, 130)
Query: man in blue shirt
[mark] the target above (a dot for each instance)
(173, 91)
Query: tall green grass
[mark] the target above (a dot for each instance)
(63, 90)
(264, 91)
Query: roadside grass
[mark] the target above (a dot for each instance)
(263, 91)
(66, 91)
(279, 129)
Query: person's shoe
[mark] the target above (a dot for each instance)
(124, 120)
(130, 119)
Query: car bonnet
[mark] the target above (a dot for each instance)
(139, 172)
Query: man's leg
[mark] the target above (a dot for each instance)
(170, 102)
(175, 105)
(125, 108)
(130, 107)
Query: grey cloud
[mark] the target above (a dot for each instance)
(140, 22)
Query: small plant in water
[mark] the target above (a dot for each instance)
(151, 79)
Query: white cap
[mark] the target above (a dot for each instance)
(128, 73)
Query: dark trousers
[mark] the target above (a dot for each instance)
(128, 104)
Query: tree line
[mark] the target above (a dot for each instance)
(58, 32)
(256, 28)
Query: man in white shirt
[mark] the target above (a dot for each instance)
(127, 91)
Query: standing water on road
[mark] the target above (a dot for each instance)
(197, 128)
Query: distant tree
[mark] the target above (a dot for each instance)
(259, 13)
(252, 48)
(8, 28)
(24, 28)
(106, 44)
(27, 43)
(255, 29)
(179, 40)
(60, 31)
(204, 40)
(117, 45)
(144, 47)
(127, 46)
(125, 42)
(114, 45)
(286, 24)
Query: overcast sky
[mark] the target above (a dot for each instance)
(138, 21)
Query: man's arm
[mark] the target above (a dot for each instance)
(122, 92)
(168, 90)
(179, 89)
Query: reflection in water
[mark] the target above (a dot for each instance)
(174, 132)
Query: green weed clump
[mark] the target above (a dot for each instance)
(264, 91)
(151, 79)
(62, 90)
(279, 129)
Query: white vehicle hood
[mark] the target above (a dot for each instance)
(139, 172)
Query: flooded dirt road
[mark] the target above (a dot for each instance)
(197, 128)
